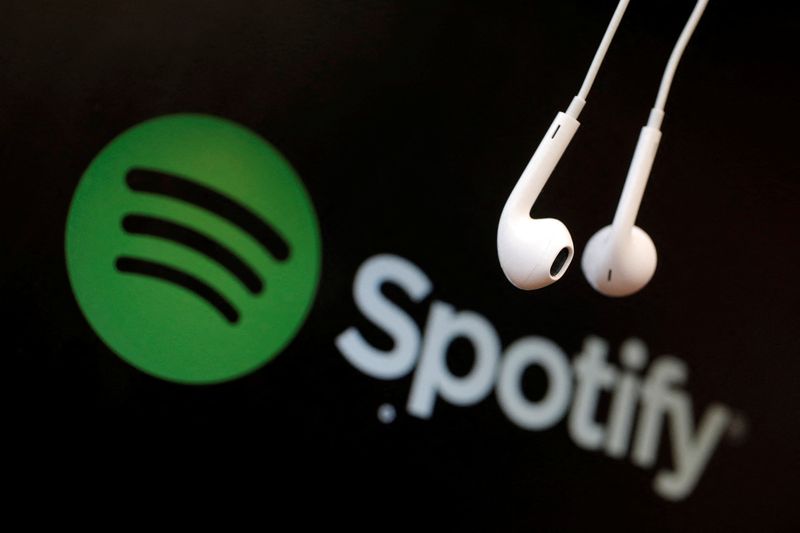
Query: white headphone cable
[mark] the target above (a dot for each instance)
(657, 113)
(580, 100)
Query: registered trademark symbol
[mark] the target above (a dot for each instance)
(387, 413)
(738, 429)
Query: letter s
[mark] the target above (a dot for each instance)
(372, 274)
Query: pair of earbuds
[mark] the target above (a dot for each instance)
(621, 258)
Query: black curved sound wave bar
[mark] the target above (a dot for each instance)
(164, 229)
(144, 267)
(157, 182)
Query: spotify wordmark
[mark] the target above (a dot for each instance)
(193, 248)
(644, 403)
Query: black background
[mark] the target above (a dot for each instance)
(409, 123)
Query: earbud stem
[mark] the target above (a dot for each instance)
(635, 183)
(541, 165)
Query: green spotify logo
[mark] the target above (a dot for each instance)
(193, 248)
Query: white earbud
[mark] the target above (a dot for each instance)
(533, 252)
(620, 259)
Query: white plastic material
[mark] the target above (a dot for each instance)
(528, 247)
(656, 118)
(620, 259)
(636, 181)
(536, 252)
(677, 53)
(575, 107)
(594, 68)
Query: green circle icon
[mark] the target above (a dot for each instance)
(193, 248)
